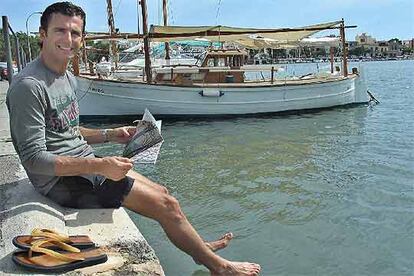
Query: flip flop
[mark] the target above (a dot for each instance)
(25, 241)
(46, 260)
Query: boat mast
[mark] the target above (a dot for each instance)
(138, 29)
(165, 15)
(111, 24)
(344, 52)
(146, 41)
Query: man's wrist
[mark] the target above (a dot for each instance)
(96, 165)
(105, 135)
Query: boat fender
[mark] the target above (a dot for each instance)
(211, 92)
(355, 71)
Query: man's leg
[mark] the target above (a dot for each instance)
(153, 201)
(213, 245)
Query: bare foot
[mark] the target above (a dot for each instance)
(239, 269)
(220, 243)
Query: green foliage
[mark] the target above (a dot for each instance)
(320, 52)
(407, 51)
(22, 37)
(97, 50)
(358, 51)
(396, 40)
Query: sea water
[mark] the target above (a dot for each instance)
(324, 193)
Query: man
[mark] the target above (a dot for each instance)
(55, 151)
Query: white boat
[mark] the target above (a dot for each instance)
(219, 86)
(132, 64)
(106, 97)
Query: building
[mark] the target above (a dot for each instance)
(408, 43)
(364, 39)
(382, 48)
(394, 48)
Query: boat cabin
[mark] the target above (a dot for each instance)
(218, 66)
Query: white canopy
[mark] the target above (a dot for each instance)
(248, 37)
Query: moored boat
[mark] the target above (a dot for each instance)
(216, 90)
(219, 85)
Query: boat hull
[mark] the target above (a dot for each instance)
(107, 98)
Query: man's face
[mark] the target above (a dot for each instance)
(63, 37)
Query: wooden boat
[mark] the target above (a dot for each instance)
(219, 86)
(220, 90)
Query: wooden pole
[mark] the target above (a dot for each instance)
(84, 54)
(18, 55)
(344, 52)
(272, 75)
(7, 47)
(146, 41)
(138, 29)
(165, 15)
(111, 24)
(75, 64)
(331, 50)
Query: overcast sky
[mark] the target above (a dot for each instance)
(382, 19)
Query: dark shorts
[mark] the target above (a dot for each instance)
(80, 193)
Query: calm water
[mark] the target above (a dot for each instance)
(328, 193)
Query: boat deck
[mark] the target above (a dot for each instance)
(262, 83)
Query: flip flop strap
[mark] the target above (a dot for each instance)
(37, 247)
(51, 234)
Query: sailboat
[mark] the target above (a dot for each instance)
(218, 86)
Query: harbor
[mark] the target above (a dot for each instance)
(336, 182)
(292, 134)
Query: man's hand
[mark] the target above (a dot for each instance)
(115, 167)
(121, 134)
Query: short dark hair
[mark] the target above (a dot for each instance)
(65, 8)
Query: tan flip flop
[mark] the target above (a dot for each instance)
(25, 241)
(42, 259)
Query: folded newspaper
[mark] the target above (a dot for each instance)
(145, 145)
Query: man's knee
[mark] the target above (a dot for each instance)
(171, 209)
(164, 190)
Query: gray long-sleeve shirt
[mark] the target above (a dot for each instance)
(44, 122)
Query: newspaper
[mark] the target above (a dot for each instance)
(145, 145)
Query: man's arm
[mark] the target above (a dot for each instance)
(119, 135)
(27, 125)
(111, 167)
(26, 104)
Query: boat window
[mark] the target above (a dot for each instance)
(221, 62)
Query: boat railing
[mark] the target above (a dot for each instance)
(195, 69)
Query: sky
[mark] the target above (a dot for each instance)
(382, 19)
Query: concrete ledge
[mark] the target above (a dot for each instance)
(22, 209)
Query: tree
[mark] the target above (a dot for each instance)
(395, 40)
(319, 52)
(34, 45)
(279, 53)
(407, 51)
(358, 51)
(97, 50)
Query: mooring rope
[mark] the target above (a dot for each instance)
(372, 98)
